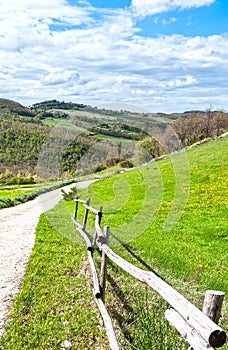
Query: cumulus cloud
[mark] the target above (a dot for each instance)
(59, 77)
(147, 7)
(188, 80)
(100, 57)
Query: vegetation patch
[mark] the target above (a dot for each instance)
(9, 200)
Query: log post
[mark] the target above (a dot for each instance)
(104, 265)
(190, 334)
(207, 329)
(76, 208)
(99, 222)
(100, 215)
(85, 215)
(213, 304)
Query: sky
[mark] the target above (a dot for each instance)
(151, 55)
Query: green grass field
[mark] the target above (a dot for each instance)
(12, 193)
(196, 248)
(126, 142)
(62, 123)
(142, 208)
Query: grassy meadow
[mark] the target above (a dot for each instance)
(169, 217)
(195, 248)
(12, 191)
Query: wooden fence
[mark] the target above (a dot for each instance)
(198, 328)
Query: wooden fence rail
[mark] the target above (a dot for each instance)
(195, 326)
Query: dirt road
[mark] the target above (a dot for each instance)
(17, 237)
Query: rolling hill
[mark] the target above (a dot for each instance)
(14, 108)
(67, 131)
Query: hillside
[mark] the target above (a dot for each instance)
(66, 132)
(194, 183)
(24, 142)
(116, 123)
(14, 108)
(120, 124)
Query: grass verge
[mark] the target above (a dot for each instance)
(9, 200)
(12, 193)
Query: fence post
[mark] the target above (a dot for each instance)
(99, 221)
(100, 214)
(104, 265)
(213, 304)
(85, 215)
(76, 208)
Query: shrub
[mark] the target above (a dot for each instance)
(71, 195)
(126, 164)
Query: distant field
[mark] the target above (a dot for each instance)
(13, 193)
(88, 119)
(115, 139)
(61, 123)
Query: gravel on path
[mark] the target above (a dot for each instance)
(17, 237)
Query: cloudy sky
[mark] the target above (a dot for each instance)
(158, 55)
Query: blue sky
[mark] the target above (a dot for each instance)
(155, 55)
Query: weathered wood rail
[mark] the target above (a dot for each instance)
(200, 331)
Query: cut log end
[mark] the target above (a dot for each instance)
(97, 295)
(217, 338)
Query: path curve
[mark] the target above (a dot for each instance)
(17, 237)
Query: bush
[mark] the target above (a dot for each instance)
(71, 195)
(8, 178)
(126, 164)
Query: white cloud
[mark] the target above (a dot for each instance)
(171, 20)
(165, 21)
(59, 77)
(105, 60)
(179, 82)
(28, 4)
(148, 7)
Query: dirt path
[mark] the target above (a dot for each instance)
(17, 237)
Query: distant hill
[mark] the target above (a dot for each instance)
(57, 105)
(15, 108)
(121, 134)
(54, 104)
(12, 107)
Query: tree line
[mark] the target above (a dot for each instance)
(199, 126)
